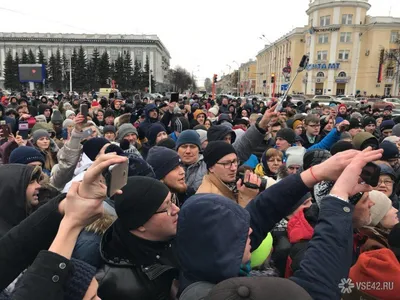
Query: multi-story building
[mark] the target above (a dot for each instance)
(344, 45)
(247, 77)
(139, 47)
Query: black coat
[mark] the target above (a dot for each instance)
(145, 272)
(307, 143)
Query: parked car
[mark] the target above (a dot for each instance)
(394, 101)
(324, 97)
(379, 103)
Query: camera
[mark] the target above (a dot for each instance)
(249, 185)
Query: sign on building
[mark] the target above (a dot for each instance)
(332, 66)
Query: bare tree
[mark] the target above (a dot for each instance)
(208, 85)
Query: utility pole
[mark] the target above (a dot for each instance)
(238, 85)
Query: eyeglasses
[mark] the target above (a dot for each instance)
(168, 210)
(229, 164)
(314, 125)
(386, 182)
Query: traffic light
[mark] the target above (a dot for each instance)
(215, 78)
(273, 78)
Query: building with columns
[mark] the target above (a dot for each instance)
(344, 45)
(139, 47)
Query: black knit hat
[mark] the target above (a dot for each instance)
(219, 132)
(215, 151)
(162, 160)
(80, 276)
(109, 113)
(258, 288)
(369, 121)
(25, 155)
(188, 137)
(141, 198)
(287, 134)
(168, 143)
(354, 123)
(93, 146)
(315, 157)
(341, 146)
(390, 150)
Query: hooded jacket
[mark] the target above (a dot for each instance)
(362, 137)
(145, 125)
(14, 179)
(42, 108)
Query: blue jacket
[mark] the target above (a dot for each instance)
(212, 233)
(328, 141)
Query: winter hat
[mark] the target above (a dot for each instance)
(214, 110)
(386, 170)
(109, 128)
(396, 130)
(80, 276)
(342, 105)
(180, 124)
(200, 127)
(364, 139)
(315, 157)
(142, 197)
(390, 151)
(354, 123)
(67, 123)
(341, 146)
(38, 134)
(215, 151)
(287, 134)
(203, 135)
(382, 206)
(258, 288)
(393, 139)
(25, 155)
(198, 112)
(219, 132)
(356, 115)
(124, 130)
(93, 146)
(67, 106)
(188, 137)
(386, 124)
(108, 113)
(68, 113)
(153, 131)
(40, 119)
(139, 167)
(162, 160)
(369, 121)
(296, 123)
(167, 143)
(295, 156)
(56, 118)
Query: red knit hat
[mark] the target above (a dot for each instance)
(342, 104)
(380, 267)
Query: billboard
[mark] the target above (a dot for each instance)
(31, 72)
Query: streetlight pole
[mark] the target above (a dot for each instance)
(238, 76)
(150, 81)
(70, 74)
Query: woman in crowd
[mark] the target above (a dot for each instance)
(207, 123)
(386, 183)
(41, 140)
(271, 161)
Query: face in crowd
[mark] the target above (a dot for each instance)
(175, 180)
(312, 128)
(226, 168)
(189, 153)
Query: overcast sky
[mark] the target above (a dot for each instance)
(201, 36)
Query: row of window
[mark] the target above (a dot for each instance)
(345, 37)
(347, 19)
(341, 74)
(342, 55)
(68, 51)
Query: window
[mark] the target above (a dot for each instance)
(344, 54)
(320, 74)
(325, 21)
(388, 89)
(114, 51)
(347, 19)
(390, 72)
(394, 36)
(322, 55)
(345, 37)
(342, 74)
(323, 38)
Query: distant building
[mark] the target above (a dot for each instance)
(139, 47)
(344, 45)
(247, 77)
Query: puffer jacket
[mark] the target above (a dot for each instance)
(68, 157)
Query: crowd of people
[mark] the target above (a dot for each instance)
(224, 199)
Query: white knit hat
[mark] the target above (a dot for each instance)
(295, 156)
(68, 113)
(203, 135)
(214, 110)
(382, 206)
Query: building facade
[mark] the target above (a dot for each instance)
(344, 45)
(247, 77)
(139, 47)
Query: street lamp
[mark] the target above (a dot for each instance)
(235, 62)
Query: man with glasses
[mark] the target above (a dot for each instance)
(222, 164)
(137, 250)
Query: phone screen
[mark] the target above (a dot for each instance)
(118, 178)
(84, 110)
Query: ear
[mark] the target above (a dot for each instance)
(211, 170)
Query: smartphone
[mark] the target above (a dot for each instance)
(117, 178)
(84, 109)
(64, 133)
(87, 133)
(370, 174)
(23, 129)
(6, 129)
(174, 97)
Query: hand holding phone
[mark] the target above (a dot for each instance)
(84, 110)
(116, 177)
(370, 174)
